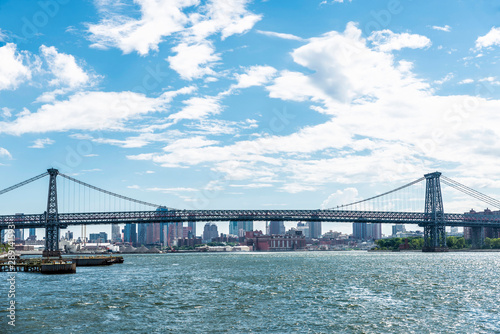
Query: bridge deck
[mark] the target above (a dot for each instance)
(66, 219)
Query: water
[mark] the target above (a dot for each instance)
(296, 292)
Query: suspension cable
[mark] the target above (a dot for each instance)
(23, 183)
(386, 193)
(471, 192)
(110, 193)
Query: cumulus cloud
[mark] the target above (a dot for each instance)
(64, 68)
(386, 40)
(340, 197)
(492, 38)
(13, 68)
(188, 20)
(86, 111)
(255, 76)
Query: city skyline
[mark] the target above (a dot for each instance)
(201, 105)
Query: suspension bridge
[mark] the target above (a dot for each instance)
(393, 207)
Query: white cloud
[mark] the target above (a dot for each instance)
(13, 70)
(255, 76)
(198, 108)
(490, 39)
(280, 35)
(445, 28)
(465, 81)
(193, 61)
(86, 111)
(158, 19)
(4, 153)
(386, 40)
(135, 186)
(340, 197)
(42, 142)
(447, 78)
(64, 68)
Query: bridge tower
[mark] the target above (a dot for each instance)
(52, 218)
(434, 229)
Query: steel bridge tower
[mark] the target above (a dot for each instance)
(52, 218)
(434, 229)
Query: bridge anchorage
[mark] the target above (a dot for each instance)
(433, 218)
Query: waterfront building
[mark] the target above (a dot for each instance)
(286, 242)
(235, 227)
(487, 232)
(130, 234)
(314, 229)
(276, 227)
(210, 232)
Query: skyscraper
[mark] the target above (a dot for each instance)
(236, 226)
(192, 225)
(141, 234)
(209, 232)
(314, 229)
(276, 227)
(130, 234)
(115, 233)
(359, 231)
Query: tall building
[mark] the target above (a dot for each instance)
(100, 237)
(141, 234)
(304, 228)
(359, 231)
(209, 232)
(236, 226)
(373, 231)
(115, 233)
(130, 234)
(19, 234)
(314, 229)
(68, 235)
(172, 232)
(397, 228)
(153, 233)
(276, 227)
(192, 225)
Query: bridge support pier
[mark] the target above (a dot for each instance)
(434, 230)
(477, 236)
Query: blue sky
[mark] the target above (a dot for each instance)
(249, 104)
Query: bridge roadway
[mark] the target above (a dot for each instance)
(141, 217)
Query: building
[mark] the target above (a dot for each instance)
(239, 228)
(286, 242)
(100, 237)
(304, 228)
(130, 234)
(210, 232)
(486, 232)
(398, 228)
(32, 234)
(141, 234)
(19, 234)
(115, 233)
(192, 225)
(314, 229)
(374, 231)
(359, 231)
(276, 227)
(68, 235)
(153, 231)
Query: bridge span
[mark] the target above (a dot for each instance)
(433, 219)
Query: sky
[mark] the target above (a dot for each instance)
(237, 104)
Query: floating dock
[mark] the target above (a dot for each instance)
(44, 266)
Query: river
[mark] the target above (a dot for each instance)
(294, 292)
